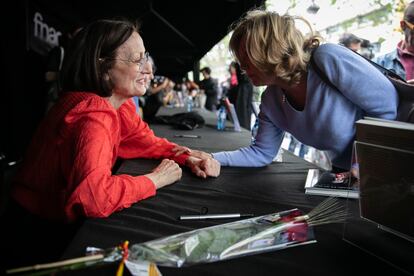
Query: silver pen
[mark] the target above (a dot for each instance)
(214, 216)
(187, 136)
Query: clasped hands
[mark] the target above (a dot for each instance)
(201, 164)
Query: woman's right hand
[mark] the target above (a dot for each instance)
(165, 174)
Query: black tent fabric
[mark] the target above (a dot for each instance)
(176, 33)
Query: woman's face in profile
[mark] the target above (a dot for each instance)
(129, 74)
(257, 76)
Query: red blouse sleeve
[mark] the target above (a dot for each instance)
(139, 141)
(94, 191)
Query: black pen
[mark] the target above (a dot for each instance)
(214, 216)
(187, 136)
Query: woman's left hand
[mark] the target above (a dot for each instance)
(203, 167)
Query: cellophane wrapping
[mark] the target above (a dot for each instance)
(245, 237)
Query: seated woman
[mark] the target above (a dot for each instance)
(67, 171)
(273, 52)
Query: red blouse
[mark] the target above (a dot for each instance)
(67, 171)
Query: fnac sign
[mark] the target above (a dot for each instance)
(42, 35)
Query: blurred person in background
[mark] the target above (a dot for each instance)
(233, 83)
(244, 98)
(350, 41)
(367, 49)
(209, 86)
(154, 97)
(401, 60)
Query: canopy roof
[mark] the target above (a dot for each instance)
(176, 33)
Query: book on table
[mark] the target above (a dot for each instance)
(326, 183)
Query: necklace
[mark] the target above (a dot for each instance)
(283, 96)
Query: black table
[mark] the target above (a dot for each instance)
(277, 187)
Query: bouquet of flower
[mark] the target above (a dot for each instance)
(220, 242)
(250, 236)
(245, 237)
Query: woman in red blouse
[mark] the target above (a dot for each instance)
(67, 171)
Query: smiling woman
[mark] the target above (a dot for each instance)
(67, 172)
(127, 76)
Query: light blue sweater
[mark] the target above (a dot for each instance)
(328, 119)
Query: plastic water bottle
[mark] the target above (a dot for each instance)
(189, 104)
(254, 130)
(221, 118)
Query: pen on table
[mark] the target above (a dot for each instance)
(187, 136)
(214, 216)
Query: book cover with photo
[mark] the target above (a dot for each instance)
(326, 183)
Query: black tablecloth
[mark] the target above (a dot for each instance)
(277, 187)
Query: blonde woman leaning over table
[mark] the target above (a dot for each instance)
(273, 52)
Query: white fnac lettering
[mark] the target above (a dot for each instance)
(44, 32)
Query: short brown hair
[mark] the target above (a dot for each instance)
(90, 54)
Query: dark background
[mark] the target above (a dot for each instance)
(176, 33)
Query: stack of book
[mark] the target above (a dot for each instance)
(385, 152)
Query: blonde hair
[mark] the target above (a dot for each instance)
(274, 44)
